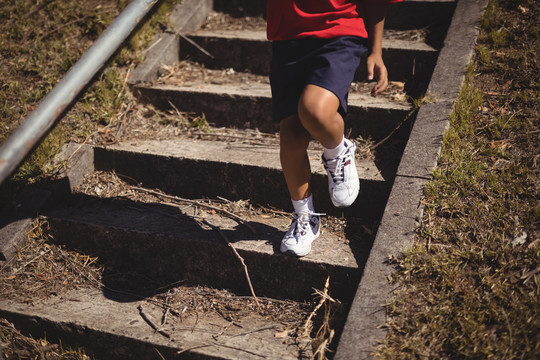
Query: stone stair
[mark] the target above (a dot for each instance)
(168, 243)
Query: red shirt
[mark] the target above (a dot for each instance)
(293, 19)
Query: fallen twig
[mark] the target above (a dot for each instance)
(31, 261)
(38, 8)
(198, 203)
(324, 296)
(320, 353)
(151, 323)
(175, 30)
(40, 39)
(222, 345)
(254, 331)
(239, 258)
(374, 146)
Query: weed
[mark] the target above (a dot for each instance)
(40, 42)
(469, 288)
(200, 123)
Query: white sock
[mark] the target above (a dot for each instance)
(304, 205)
(334, 153)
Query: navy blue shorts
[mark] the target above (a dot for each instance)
(328, 63)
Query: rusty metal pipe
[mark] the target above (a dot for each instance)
(52, 107)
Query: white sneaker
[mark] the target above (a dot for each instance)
(343, 183)
(304, 229)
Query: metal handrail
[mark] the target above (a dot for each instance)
(53, 106)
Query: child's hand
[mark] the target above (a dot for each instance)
(377, 70)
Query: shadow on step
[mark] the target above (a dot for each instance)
(146, 247)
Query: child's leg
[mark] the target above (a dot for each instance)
(305, 228)
(294, 141)
(318, 118)
(318, 113)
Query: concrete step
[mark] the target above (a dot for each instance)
(112, 329)
(145, 231)
(168, 244)
(234, 170)
(250, 97)
(410, 14)
(406, 53)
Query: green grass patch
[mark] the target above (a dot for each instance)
(39, 42)
(470, 287)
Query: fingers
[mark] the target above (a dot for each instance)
(370, 70)
(382, 82)
(377, 70)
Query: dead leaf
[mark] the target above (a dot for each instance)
(399, 97)
(281, 334)
(523, 9)
(399, 84)
(534, 244)
(483, 109)
(520, 240)
(500, 144)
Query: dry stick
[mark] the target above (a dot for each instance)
(151, 323)
(61, 26)
(201, 49)
(195, 202)
(222, 345)
(31, 261)
(373, 147)
(161, 356)
(38, 8)
(254, 331)
(320, 352)
(239, 258)
(324, 296)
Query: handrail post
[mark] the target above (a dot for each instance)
(52, 107)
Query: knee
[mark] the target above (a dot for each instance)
(313, 113)
(317, 108)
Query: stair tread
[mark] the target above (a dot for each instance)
(260, 155)
(407, 39)
(90, 312)
(182, 77)
(330, 248)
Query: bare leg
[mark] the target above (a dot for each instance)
(317, 118)
(317, 110)
(294, 141)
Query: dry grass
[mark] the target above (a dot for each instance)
(18, 346)
(470, 286)
(39, 42)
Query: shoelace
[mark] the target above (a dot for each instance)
(335, 166)
(302, 222)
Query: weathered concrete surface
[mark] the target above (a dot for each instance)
(249, 106)
(115, 329)
(15, 224)
(13, 234)
(363, 329)
(167, 244)
(185, 17)
(248, 50)
(76, 161)
(196, 169)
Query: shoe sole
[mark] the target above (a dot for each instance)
(292, 253)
